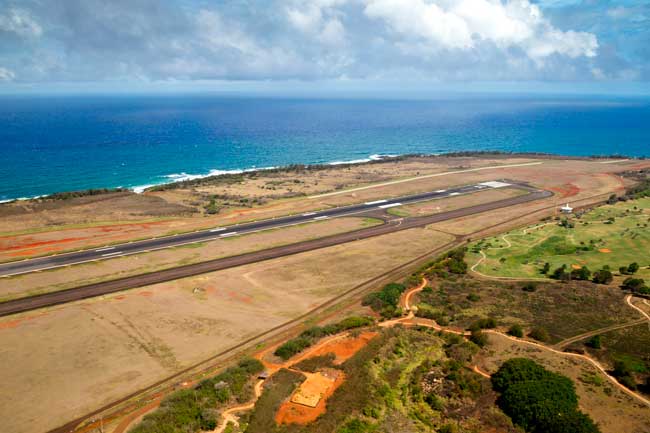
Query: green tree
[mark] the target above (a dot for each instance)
(633, 267)
(604, 276)
(635, 285)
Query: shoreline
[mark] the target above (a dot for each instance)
(179, 180)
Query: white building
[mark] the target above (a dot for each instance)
(566, 208)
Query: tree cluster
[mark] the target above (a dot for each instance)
(539, 400)
(386, 300)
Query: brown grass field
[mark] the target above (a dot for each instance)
(93, 272)
(76, 357)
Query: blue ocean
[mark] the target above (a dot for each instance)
(52, 144)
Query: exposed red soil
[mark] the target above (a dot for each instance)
(346, 348)
(293, 413)
(566, 190)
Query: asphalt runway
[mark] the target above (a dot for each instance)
(392, 225)
(216, 233)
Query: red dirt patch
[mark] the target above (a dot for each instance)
(566, 190)
(605, 250)
(146, 294)
(294, 413)
(344, 349)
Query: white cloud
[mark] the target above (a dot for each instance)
(462, 24)
(20, 22)
(320, 19)
(6, 74)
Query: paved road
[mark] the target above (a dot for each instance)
(112, 251)
(98, 289)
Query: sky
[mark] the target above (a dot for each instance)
(325, 45)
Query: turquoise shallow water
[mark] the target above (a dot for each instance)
(71, 143)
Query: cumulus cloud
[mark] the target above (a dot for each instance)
(465, 24)
(86, 40)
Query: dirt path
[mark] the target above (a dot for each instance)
(229, 414)
(564, 343)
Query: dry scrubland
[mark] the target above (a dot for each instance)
(93, 272)
(74, 358)
(63, 362)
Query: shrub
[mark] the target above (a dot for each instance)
(478, 338)
(546, 269)
(308, 336)
(516, 331)
(594, 342)
(357, 426)
(581, 274)
(632, 268)
(388, 296)
(539, 334)
(487, 323)
(529, 287)
(473, 297)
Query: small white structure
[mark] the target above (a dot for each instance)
(566, 208)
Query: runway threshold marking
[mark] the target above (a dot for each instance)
(370, 203)
(321, 217)
(225, 235)
(309, 214)
(112, 254)
(105, 249)
(220, 229)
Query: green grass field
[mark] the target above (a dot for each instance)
(593, 242)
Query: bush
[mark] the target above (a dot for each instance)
(516, 331)
(632, 268)
(478, 338)
(581, 274)
(357, 426)
(561, 274)
(193, 410)
(388, 296)
(529, 287)
(539, 334)
(487, 323)
(308, 336)
(473, 297)
(594, 342)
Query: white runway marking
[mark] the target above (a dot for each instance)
(105, 249)
(386, 206)
(112, 254)
(370, 203)
(225, 235)
(220, 229)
